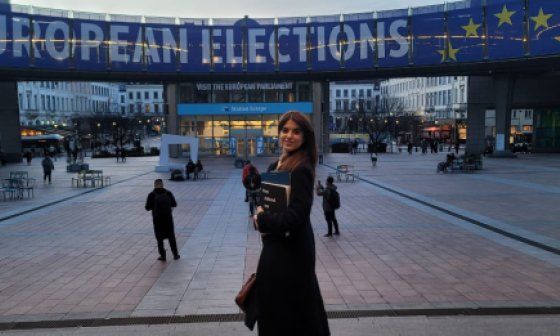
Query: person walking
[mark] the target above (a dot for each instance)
(118, 153)
(123, 154)
(409, 148)
(331, 202)
(288, 298)
(252, 183)
(48, 167)
(197, 169)
(161, 203)
(28, 157)
(189, 169)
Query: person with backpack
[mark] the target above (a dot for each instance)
(252, 184)
(160, 202)
(331, 202)
(48, 167)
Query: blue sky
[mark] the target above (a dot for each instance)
(227, 8)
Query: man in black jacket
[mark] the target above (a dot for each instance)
(329, 208)
(161, 201)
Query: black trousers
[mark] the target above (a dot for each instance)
(47, 175)
(330, 217)
(172, 245)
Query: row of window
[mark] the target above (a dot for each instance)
(155, 95)
(416, 83)
(72, 86)
(354, 93)
(143, 108)
(63, 104)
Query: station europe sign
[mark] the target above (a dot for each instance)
(456, 32)
(243, 108)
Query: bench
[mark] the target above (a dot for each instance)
(345, 173)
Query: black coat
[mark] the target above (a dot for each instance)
(163, 220)
(289, 300)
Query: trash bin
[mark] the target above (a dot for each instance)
(320, 158)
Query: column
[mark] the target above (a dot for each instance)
(479, 99)
(320, 96)
(503, 98)
(172, 119)
(10, 138)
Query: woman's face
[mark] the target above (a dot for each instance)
(291, 136)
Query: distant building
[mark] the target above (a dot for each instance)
(58, 102)
(432, 98)
(349, 99)
(142, 99)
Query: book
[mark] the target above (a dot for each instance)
(275, 191)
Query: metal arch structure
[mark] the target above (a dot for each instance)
(474, 37)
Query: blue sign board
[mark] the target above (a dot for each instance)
(462, 32)
(244, 108)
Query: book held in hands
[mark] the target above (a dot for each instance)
(275, 191)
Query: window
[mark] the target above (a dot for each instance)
(338, 105)
(130, 96)
(345, 93)
(131, 108)
(156, 107)
(337, 93)
(146, 95)
(138, 95)
(20, 101)
(368, 93)
(155, 95)
(353, 93)
(122, 99)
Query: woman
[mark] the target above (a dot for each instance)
(288, 296)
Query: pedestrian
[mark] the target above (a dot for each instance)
(161, 203)
(457, 148)
(189, 168)
(252, 183)
(409, 148)
(197, 169)
(331, 202)
(123, 155)
(355, 146)
(288, 298)
(118, 153)
(28, 157)
(48, 167)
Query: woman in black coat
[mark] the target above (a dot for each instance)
(288, 297)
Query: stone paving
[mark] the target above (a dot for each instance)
(94, 255)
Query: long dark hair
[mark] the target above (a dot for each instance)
(307, 153)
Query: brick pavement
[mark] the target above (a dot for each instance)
(94, 255)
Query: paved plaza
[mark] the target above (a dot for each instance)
(412, 240)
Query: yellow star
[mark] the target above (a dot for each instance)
(442, 53)
(504, 16)
(452, 52)
(471, 28)
(541, 20)
(449, 53)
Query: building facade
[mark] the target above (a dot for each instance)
(348, 99)
(142, 99)
(57, 102)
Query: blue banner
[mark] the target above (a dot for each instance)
(392, 42)
(243, 108)
(326, 45)
(90, 49)
(359, 52)
(14, 41)
(51, 40)
(466, 33)
(162, 46)
(429, 40)
(544, 23)
(261, 52)
(125, 51)
(292, 47)
(505, 29)
(227, 43)
(197, 52)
